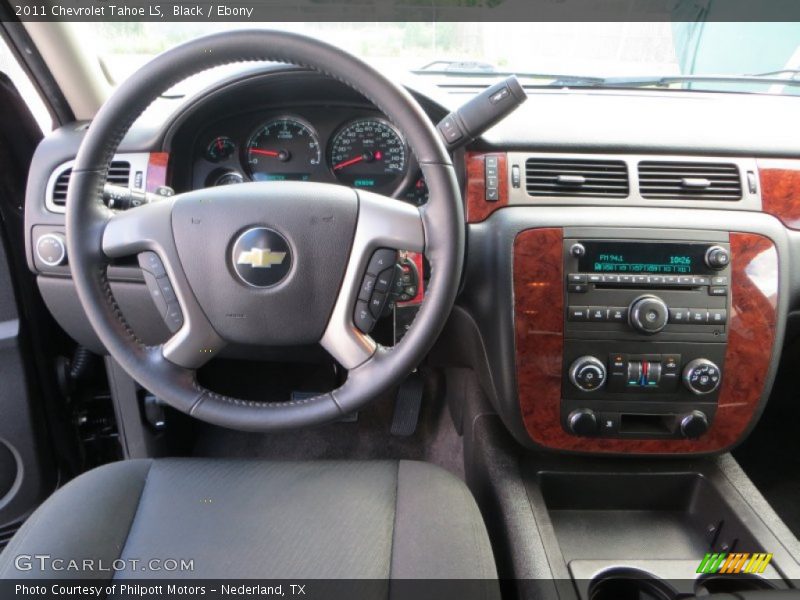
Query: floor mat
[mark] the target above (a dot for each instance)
(368, 438)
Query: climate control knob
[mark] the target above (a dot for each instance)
(694, 424)
(701, 376)
(648, 314)
(717, 257)
(587, 373)
(582, 422)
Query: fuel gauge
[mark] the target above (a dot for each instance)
(220, 148)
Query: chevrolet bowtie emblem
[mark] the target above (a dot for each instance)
(260, 258)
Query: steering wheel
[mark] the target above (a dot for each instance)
(270, 263)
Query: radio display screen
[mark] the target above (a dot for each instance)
(643, 257)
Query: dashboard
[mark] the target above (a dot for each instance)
(560, 340)
(351, 146)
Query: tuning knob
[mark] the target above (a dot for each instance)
(717, 257)
(648, 314)
(587, 373)
(701, 376)
(582, 422)
(694, 424)
(51, 249)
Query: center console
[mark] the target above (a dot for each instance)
(645, 334)
(642, 340)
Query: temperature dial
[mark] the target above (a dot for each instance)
(701, 376)
(587, 373)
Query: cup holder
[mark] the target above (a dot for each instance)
(629, 584)
(722, 584)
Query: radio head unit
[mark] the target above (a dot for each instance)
(648, 258)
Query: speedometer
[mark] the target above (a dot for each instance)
(283, 149)
(368, 153)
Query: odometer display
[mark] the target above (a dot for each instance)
(283, 149)
(368, 153)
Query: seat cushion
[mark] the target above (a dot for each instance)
(254, 519)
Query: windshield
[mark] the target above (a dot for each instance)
(660, 54)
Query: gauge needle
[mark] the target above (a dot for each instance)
(369, 157)
(265, 152)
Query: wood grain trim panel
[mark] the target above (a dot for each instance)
(780, 190)
(539, 313)
(477, 208)
(156, 171)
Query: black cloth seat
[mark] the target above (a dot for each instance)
(255, 519)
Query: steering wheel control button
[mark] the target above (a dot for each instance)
(648, 315)
(377, 303)
(587, 373)
(167, 291)
(261, 257)
(173, 316)
(155, 293)
(701, 376)
(363, 318)
(385, 279)
(367, 287)
(51, 249)
(381, 260)
(151, 263)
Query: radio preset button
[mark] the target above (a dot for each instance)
(610, 278)
(595, 278)
(698, 316)
(678, 315)
(577, 288)
(640, 279)
(576, 278)
(671, 280)
(717, 316)
(656, 280)
(598, 313)
(715, 290)
(685, 280)
(626, 279)
(719, 280)
(578, 313)
(618, 314)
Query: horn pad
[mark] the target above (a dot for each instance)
(266, 260)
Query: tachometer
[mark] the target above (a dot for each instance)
(283, 149)
(368, 153)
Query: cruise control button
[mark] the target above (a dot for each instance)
(717, 316)
(411, 290)
(381, 259)
(698, 316)
(367, 287)
(362, 317)
(150, 262)
(577, 313)
(173, 317)
(155, 293)
(165, 285)
(678, 315)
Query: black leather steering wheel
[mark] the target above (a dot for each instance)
(329, 233)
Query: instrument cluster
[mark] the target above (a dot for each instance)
(357, 148)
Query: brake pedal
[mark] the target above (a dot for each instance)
(407, 405)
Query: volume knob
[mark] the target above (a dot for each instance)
(717, 257)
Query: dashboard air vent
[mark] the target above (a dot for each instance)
(118, 174)
(689, 180)
(576, 177)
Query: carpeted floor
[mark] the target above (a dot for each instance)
(434, 441)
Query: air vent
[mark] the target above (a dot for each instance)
(576, 178)
(118, 174)
(689, 180)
